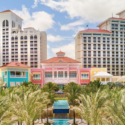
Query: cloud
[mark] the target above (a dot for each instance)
(57, 38)
(65, 48)
(35, 3)
(39, 20)
(48, 47)
(72, 26)
(52, 38)
(89, 10)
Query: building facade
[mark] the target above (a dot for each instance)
(62, 70)
(14, 73)
(28, 46)
(103, 47)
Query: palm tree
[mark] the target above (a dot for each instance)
(50, 88)
(92, 108)
(27, 109)
(72, 91)
(116, 109)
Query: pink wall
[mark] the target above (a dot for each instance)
(84, 70)
(40, 71)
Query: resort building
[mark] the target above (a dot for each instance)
(62, 70)
(28, 46)
(103, 47)
(14, 74)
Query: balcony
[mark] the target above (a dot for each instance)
(17, 76)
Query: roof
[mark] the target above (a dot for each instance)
(109, 19)
(60, 60)
(120, 12)
(15, 64)
(95, 31)
(102, 74)
(6, 11)
(60, 52)
(11, 12)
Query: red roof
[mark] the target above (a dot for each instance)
(60, 52)
(115, 18)
(60, 60)
(15, 64)
(6, 11)
(95, 31)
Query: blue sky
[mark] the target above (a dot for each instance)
(62, 19)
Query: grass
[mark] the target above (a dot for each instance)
(61, 98)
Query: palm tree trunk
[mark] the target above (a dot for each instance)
(74, 121)
(47, 113)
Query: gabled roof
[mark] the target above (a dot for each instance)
(60, 60)
(109, 19)
(15, 64)
(95, 31)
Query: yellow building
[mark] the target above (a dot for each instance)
(95, 71)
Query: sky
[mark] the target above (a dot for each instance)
(63, 19)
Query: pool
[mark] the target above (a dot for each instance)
(60, 121)
(61, 104)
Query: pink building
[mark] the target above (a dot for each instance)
(60, 70)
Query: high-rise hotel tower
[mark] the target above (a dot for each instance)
(28, 46)
(103, 47)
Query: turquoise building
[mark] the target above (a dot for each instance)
(14, 74)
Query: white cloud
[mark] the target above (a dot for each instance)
(48, 47)
(89, 10)
(72, 26)
(65, 48)
(57, 38)
(39, 20)
(52, 38)
(35, 3)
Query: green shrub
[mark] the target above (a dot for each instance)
(47, 123)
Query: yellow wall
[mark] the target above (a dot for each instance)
(93, 70)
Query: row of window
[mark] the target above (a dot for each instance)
(23, 37)
(61, 74)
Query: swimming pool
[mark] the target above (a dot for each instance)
(60, 121)
(61, 104)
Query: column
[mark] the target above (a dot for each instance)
(105, 79)
(63, 74)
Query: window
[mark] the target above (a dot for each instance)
(72, 74)
(60, 74)
(17, 74)
(5, 74)
(84, 76)
(60, 60)
(65, 74)
(55, 74)
(36, 76)
(12, 84)
(48, 74)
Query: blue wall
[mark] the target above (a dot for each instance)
(8, 79)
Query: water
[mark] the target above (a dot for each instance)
(60, 121)
(61, 104)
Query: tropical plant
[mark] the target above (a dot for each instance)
(50, 88)
(92, 108)
(72, 91)
(28, 109)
